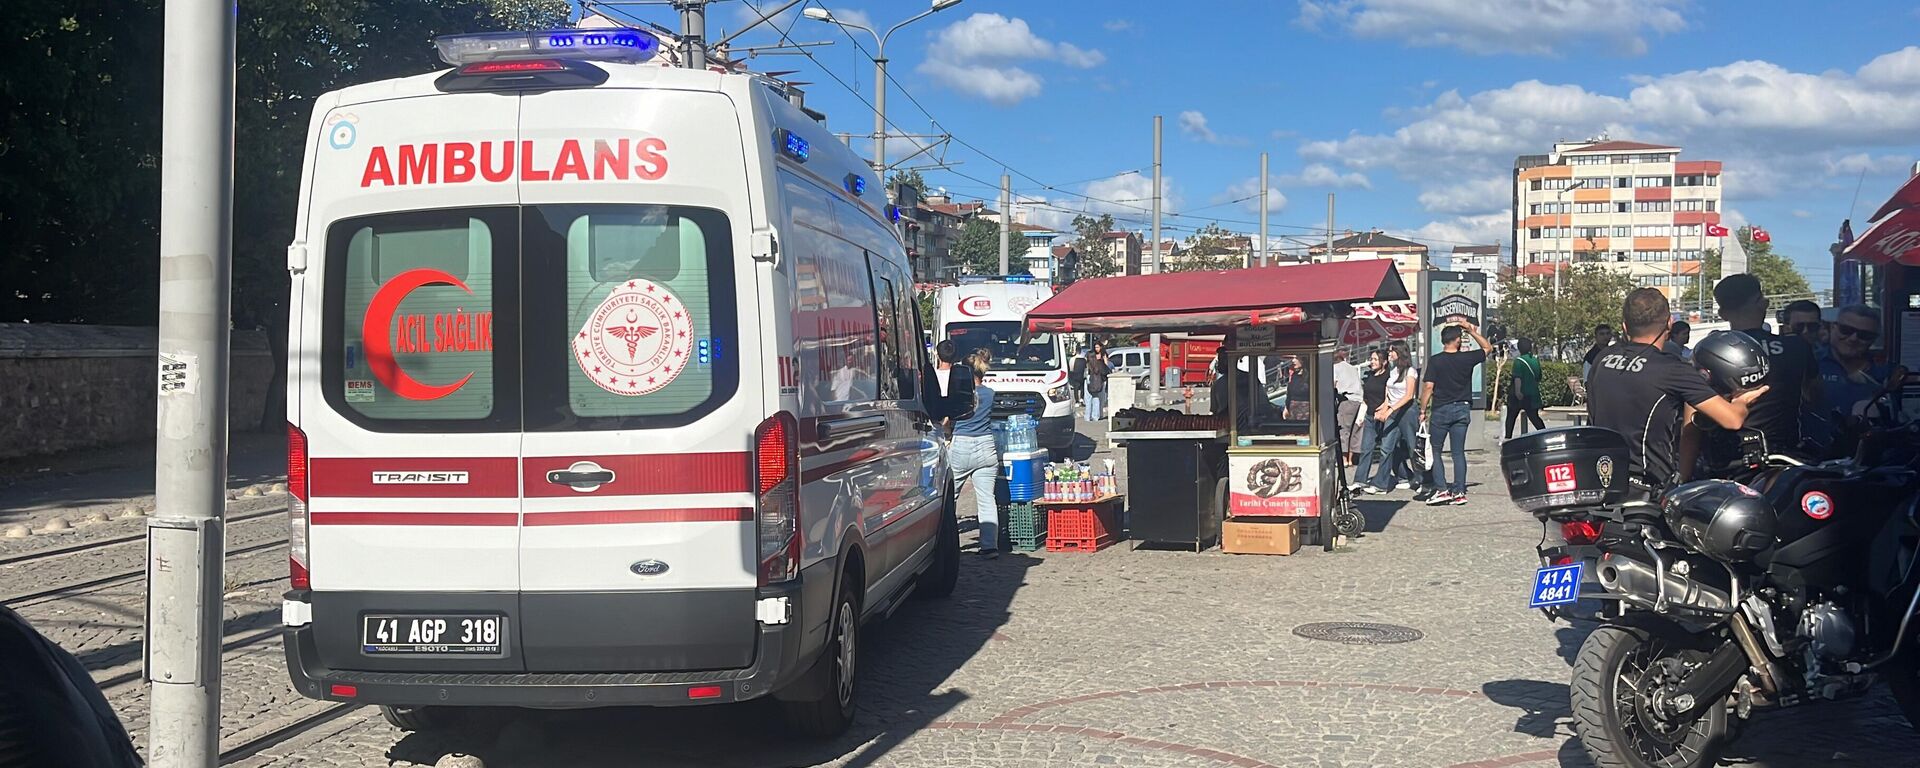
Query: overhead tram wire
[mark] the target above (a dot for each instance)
(786, 36)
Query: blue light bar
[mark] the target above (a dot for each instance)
(856, 184)
(794, 146)
(629, 45)
(894, 214)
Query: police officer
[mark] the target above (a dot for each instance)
(1793, 381)
(1648, 395)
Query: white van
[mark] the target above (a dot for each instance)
(1029, 377)
(604, 391)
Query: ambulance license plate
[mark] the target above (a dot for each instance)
(454, 635)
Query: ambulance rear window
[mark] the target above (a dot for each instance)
(410, 327)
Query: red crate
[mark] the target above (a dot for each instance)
(1083, 527)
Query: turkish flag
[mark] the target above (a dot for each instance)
(1907, 196)
(1715, 230)
(1895, 239)
(1760, 235)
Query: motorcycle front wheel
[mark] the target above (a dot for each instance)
(1614, 678)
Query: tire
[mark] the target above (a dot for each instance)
(940, 578)
(1622, 734)
(828, 712)
(1903, 676)
(414, 718)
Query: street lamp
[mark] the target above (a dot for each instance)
(1567, 219)
(879, 69)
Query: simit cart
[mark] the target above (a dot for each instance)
(1269, 449)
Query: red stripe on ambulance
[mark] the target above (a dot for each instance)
(461, 162)
(648, 474)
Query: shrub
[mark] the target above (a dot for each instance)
(1553, 382)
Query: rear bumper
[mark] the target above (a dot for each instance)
(780, 653)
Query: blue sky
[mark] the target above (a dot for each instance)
(1410, 110)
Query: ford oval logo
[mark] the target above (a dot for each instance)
(648, 568)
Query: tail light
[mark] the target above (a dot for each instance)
(776, 481)
(297, 509)
(1580, 531)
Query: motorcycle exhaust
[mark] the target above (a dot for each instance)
(1638, 584)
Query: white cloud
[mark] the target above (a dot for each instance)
(986, 56)
(1482, 229)
(1117, 25)
(1902, 67)
(1130, 194)
(1250, 188)
(1777, 131)
(1484, 195)
(1321, 175)
(1193, 123)
(1799, 213)
(1536, 27)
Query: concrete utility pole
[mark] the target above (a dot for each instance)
(1263, 210)
(186, 536)
(1157, 256)
(879, 70)
(1329, 226)
(1006, 222)
(693, 32)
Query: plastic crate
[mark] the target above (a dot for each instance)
(1083, 527)
(1025, 520)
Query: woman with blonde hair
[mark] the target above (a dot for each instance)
(975, 459)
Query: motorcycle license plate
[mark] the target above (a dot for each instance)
(1556, 585)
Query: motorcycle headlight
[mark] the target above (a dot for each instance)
(1057, 394)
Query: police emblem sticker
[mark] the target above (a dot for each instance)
(1817, 505)
(637, 341)
(1604, 470)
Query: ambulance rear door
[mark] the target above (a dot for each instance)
(641, 334)
(408, 384)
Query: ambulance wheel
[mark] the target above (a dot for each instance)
(939, 579)
(826, 710)
(414, 718)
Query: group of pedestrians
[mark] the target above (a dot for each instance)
(1087, 379)
(1426, 413)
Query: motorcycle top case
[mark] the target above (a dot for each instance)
(1556, 469)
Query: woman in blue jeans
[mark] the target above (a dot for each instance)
(975, 460)
(1399, 415)
(1373, 388)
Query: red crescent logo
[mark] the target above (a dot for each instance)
(376, 332)
(969, 305)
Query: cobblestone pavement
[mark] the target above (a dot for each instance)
(1116, 658)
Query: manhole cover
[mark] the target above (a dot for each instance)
(1358, 632)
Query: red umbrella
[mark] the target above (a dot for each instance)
(1895, 239)
(1907, 197)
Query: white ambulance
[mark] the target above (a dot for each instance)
(604, 391)
(1028, 376)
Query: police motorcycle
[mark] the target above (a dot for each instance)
(1719, 598)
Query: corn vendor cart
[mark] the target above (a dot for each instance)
(1270, 448)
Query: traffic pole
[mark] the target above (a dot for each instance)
(1263, 210)
(186, 536)
(1159, 262)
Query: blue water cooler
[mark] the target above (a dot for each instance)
(1025, 474)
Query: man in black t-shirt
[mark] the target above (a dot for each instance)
(1447, 398)
(1602, 339)
(1649, 396)
(1793, 379)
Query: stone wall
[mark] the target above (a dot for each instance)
(65, 387)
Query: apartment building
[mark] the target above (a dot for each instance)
(1637, 208)
(1488, 260)
(1408, 256)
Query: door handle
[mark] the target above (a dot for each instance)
(849, 427)
(566, 477)
(582, 476)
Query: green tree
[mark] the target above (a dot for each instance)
(1096, 251)
(1563, 321)
(978, 249)
(1779, 278)
(909, 177)
(1210, 248)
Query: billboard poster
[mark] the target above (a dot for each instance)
(1273, 486)
(1450, 295)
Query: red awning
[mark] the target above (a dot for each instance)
(1199, 301)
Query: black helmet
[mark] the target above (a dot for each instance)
(1732, 360)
